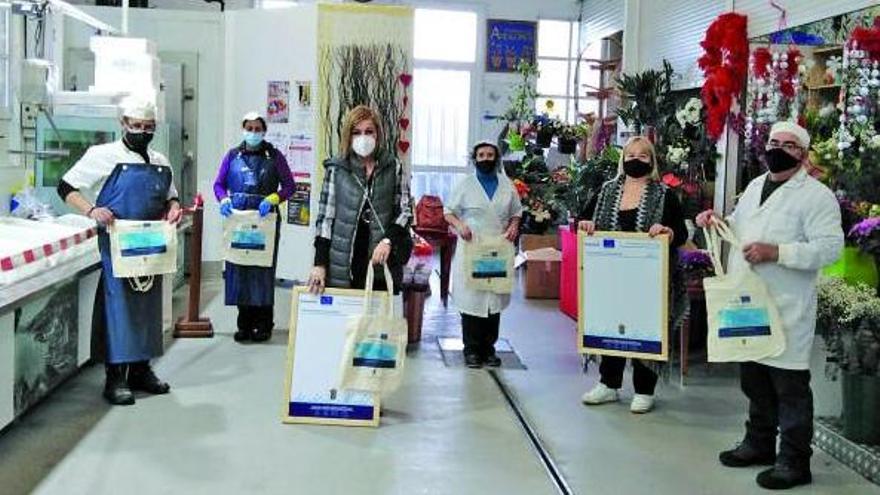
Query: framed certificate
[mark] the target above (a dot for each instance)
(623, 295)
(318, 329)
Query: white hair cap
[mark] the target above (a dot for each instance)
(137, 107)
(802, 135)
(252, 116)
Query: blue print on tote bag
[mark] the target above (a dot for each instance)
(492, 266)
(142, 243)
(249, 237)
(375, 353)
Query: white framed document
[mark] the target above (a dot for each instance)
(318, 329)
(623, 294)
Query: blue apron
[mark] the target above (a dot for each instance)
(252, 177)
(132, 320)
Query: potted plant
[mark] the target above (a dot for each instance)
(848, 319)
(649, 99)
(585, 179)
(567, 138)
(867, 235)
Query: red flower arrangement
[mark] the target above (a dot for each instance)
(725, 64)
(868, 39)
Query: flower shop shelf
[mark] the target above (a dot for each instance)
(863, 459)
(824, 86)
(828, 49)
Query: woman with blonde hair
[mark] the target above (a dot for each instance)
(364, 212)
(636, 201)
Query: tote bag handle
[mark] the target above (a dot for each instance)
(368, 290)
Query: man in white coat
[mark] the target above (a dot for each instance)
(789, 225)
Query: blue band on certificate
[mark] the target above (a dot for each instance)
(628, 345)
(331, 411)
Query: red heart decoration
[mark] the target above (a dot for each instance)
(404, 123)
(405, 101)
(403, 145)
(405, 79)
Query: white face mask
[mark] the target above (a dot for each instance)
(363, 145)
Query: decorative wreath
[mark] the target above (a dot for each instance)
(725, 64)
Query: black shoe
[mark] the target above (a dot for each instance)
(744, 455)
(782, 477)
(493, 361)
(262, 335)
(473, 361)
(141, 377)
(243, 335)
(116, 389)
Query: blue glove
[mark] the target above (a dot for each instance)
(226, 207)
(265, 207)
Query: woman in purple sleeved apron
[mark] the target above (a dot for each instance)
(253, 176)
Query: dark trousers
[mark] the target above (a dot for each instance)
(260, 318)
(611, 371)
(779, 400)
(480, 334)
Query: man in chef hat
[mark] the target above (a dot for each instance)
(126, 180)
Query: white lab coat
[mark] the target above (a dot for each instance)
(92, 170)
(802, 217)
(485, 217)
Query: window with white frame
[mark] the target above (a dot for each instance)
(558, 47)
(443, 74)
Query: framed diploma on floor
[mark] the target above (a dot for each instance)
(318, 329)
(623, 295)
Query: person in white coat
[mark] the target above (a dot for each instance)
(482, 204)
(789, 226)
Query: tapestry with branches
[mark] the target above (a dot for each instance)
(365, 58)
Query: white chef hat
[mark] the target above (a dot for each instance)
(253, 116)
(802, 135)
(138, 107)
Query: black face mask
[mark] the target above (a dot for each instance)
(636, 168)
(778, 160)
(485, 166)
(138, 141)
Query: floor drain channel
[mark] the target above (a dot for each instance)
(547, 461)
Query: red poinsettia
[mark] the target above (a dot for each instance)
(671, 180)
(868, 39)
(725, 63)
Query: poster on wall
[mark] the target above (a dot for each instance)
(508, 42)
(318, 331)
(46, 341)
(615, 267)
(304, 94)
(298, 209)
(298, 149)
(278, 102)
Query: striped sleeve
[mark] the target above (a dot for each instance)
(326, 205)
(402, 198)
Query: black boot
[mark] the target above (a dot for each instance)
(265, 322)
(473, 361)
(243, 334)
(745, 455)
(783, 477)
(141, 377)
(116, 389)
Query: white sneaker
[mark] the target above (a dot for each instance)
(600, 394)
(641, 404)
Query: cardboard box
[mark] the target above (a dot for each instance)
(541, 279)
(532, 242)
